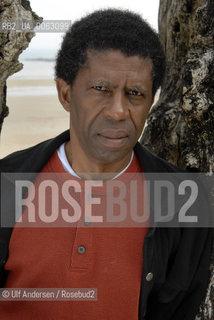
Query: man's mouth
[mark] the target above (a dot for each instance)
(114, 134)
(113, 138)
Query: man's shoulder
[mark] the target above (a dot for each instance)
(152, 163)
(32, 159)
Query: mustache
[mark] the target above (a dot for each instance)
(122, 125)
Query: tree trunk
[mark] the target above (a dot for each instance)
(180, 126)
(12, 43)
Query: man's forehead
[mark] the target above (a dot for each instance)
(115, 63)
(115, 56)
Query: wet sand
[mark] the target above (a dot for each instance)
(32, 119)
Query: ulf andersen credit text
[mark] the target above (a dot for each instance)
(48, 294)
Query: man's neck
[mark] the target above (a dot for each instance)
(95, 170)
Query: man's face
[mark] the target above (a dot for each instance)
(109, 103)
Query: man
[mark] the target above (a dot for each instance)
(108, 70)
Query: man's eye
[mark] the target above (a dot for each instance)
(100, 88)
(135, 93)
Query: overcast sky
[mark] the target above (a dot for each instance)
(72, 10)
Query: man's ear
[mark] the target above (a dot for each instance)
(64, 93)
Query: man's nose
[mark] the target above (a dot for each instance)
(118, 107)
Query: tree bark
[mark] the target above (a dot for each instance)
(180, 125)
(12, 43)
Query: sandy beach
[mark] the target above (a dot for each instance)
(32, 118)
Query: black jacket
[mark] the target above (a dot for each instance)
(178, 258)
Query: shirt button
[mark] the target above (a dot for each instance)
(87, 222)
(149, 276)
(81, 249)
(90, 197)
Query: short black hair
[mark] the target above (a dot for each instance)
(110, 29)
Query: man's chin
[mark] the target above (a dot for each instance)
(109, 156)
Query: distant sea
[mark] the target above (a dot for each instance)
(35, 69)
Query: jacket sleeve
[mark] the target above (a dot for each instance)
(179, 298)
